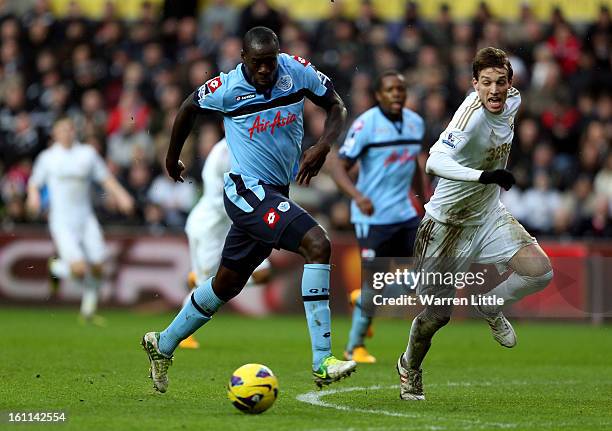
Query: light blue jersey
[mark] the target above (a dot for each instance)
(387, 153)
(264, 131)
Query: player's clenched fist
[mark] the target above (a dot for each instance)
(501, 177)
(175, 168)
(365, 205)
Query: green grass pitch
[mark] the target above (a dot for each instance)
(558, 377)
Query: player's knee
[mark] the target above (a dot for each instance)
(531, 261)
(439, 315)
(539, 268)
(229, 283)
(78, 269)
(437, 318)
(320, 252)
(228, 289)
(316, 246)
(440, 321)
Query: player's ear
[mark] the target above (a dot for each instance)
(475, 84)
(243, 55)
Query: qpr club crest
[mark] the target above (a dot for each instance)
(285, 83)
(283, 206)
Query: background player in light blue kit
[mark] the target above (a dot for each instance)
(386, 141)
(262, 104)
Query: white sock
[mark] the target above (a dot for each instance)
(515, 288)
(60, 268)
(89, 301)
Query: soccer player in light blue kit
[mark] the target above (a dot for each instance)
(386, 141)
(262, 104)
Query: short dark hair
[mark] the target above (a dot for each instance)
(379, 79)
(490, 57)
(259, 36)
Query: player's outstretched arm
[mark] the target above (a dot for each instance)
(122, 198)
(33, 200)
(340, 172)
(181, 128)
(444, 166)
(314, 157)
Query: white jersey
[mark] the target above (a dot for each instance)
(477, 139)
(69, 174)
(208, 217)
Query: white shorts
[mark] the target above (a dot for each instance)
(205, 252)
(82, 242)
(446, 247)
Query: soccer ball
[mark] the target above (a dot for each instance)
(253, 388)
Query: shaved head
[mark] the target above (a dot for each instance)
(259, 38)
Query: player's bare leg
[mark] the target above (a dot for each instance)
(89, 301)
(532, 272)
(58, 270)
(90, 277)
(359, 353)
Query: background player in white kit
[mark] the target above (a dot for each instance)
(208, 225)
(465, 221)
(69, 169)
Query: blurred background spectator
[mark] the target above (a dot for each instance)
(122, 70)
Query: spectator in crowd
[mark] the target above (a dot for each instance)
(259, 13)
(540, 204)
(174, 199)
(128, 144)
(218, 16)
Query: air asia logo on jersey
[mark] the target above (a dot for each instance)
(284, 83)
(260, 125)
(450, 141)
(213, 84)
(271, 218)
(245, 97)
(301, 60)
(402, 158)
(283, 206)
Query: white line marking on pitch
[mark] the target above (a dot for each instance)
(315, 398)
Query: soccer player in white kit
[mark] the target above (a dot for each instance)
(465, 220)
(69, 169)
(208, 225)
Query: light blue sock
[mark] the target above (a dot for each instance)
(315, 293)
(359, 327)
(195, 313)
